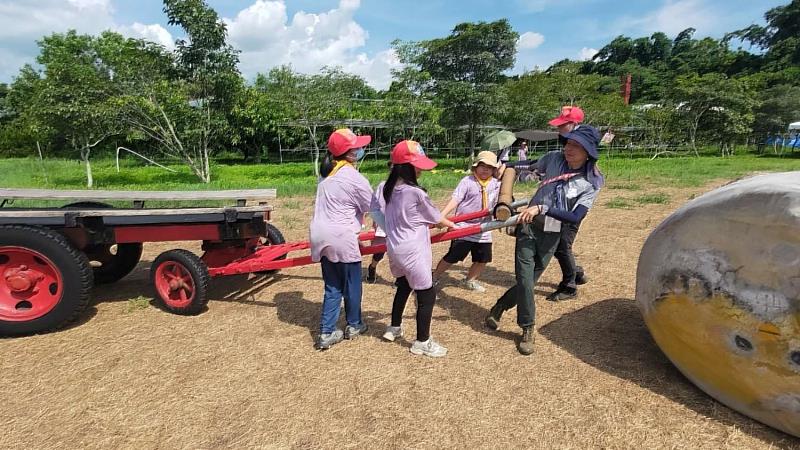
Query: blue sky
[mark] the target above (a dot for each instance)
(357, 34)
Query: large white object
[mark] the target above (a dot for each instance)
(794, 126)
(718, 285)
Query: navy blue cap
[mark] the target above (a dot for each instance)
(588, 137)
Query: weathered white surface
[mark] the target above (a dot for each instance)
(742, 238)
(718, 284)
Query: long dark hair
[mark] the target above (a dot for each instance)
(405, 172)
(329, 162)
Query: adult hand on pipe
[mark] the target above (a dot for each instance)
(528, 214)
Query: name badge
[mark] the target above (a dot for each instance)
(552, 225)
(572, 192)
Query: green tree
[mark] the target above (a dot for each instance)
(714, 104)
(778, 107)
(314, 102)
(780, 38)
(465, 70)
(72, 100)
(189, 116)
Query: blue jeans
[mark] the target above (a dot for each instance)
(341, 280)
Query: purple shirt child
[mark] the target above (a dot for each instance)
(342, 199)
(470, 199)
(408, 216)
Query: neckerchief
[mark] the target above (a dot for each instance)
(484, 193)
(339, 164)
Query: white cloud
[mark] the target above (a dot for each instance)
(23, 22)
(153, 33)
(28, 20)
(529, 40)
(673, 17)
(263, 32)
(308, 41)
(586, 53)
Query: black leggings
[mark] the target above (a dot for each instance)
(425, 300)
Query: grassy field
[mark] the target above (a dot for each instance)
(297, 179)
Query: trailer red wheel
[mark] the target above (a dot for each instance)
(180, 279)
(31, 283)
(44, 281)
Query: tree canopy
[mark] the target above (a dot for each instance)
(91, 93)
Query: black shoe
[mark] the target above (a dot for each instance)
(371, 276)
(493, 319)
(561, 295)
(581, 278)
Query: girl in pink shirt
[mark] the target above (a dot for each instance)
(343, 197)
(409, 213)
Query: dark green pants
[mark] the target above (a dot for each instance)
(532, 253)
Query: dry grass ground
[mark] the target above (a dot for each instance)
(244, 375)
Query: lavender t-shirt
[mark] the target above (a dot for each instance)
(377, 209)
(342, 200)
(469, 198)
(408, 216)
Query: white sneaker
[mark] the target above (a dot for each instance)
(393, 333)
(428, 348)
(473, 285)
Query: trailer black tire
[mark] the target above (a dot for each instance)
(61, 259)
(115, 263)
(180, 280)
(274, 237)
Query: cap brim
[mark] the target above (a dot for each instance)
(362, 141)
(587, 147)
(423, 163)
(558, 121)
(495, 165)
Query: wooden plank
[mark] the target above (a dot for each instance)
(34, 213)
(55, 194)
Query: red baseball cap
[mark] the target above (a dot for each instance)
(568, 114)
(344, 139)
(410, 152)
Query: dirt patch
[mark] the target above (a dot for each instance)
(243, 374)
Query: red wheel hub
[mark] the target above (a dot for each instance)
(174, 284)
(30, 284)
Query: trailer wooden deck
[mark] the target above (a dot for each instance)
(240, 196)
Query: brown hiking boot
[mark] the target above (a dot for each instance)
(493, 319)
(526, 343)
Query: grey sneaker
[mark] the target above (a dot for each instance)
(428, 348)
(473, 285)
(354, 332)
(328, 340)
(393, 333)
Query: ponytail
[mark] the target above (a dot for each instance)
(326, 166)
(328, 163)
